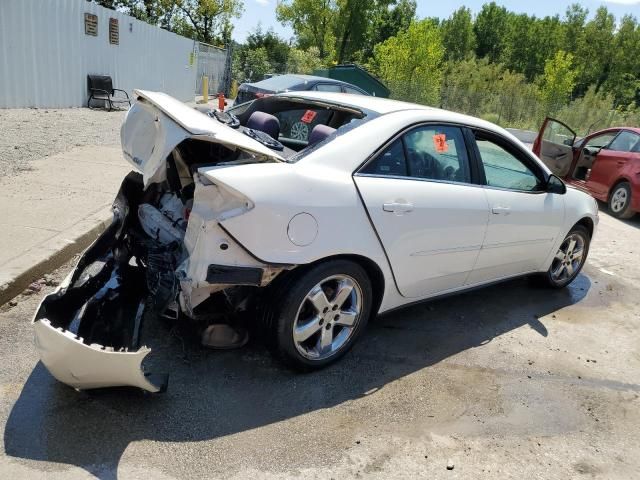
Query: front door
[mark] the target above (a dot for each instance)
(554, 146)
(524, 219)
(429, 218)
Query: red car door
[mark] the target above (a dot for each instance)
(610, 161)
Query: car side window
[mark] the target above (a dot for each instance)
(437, 152)
(600, 141)
(352, 90)
(625, 142)
(390, 162)
(328, 87)
(502, 169)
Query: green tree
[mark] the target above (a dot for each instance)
(458, 37)
(303, 61)
(252, 66)
(557, 82)
(210, 19)
(490, 28)
(351, 24)
(624, 76)
(597, 49)
(277, 48)
(313, 22)
(411, 63)
(389, 18)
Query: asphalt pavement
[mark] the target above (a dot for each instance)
(512, 381)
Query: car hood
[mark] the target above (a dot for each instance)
(157, 123)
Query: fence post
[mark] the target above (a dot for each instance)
(205, 89)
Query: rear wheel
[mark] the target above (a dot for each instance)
(620, 201)
(321, 313)
(570, 258)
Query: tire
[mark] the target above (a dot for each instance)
(620, 201)
(566, 266)
(304, 305)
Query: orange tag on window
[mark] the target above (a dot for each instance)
(440, 142)
(308, 116)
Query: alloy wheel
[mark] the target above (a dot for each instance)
(569, 259)
(619, 200)
(327, 317)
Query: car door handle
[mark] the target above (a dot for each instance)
(397, 207)
(501, 210)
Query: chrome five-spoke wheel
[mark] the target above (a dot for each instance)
(619, 200)
(570, 257)
(320, 312)
(327, 317)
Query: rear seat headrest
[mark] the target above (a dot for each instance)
(319, 133)
(264, 122)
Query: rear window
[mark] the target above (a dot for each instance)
(279, 82)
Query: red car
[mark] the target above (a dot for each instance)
(606, 164)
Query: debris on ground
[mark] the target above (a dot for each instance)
(450, 465)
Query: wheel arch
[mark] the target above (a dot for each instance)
(372, 269)
(615, 184)
(587, 223)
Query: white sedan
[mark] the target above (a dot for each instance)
(380, 205)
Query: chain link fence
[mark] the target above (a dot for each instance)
(213, 62)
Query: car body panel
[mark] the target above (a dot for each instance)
(433, 243)
(89, 366)
(521, 231)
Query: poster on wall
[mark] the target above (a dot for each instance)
(114, 31)
(91, 24)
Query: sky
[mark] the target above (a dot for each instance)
(263, 11)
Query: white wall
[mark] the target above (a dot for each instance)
(45, 55)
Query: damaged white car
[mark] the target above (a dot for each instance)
(379, 205)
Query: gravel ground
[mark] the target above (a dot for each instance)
(30, 134)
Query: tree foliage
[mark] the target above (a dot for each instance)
(411, 62)
(458, 37)
(557, 82)
(208, 21)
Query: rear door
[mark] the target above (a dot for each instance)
(610, 161)
(554, 146)
(429, 216)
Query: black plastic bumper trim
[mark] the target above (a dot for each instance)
(230, 275)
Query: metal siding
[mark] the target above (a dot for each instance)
(45, 56)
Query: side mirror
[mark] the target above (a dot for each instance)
(555, 185)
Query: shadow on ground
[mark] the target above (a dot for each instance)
(216, 394)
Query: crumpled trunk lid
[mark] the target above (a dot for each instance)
(157, 123)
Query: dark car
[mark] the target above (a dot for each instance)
(290, 83)
(605, 163)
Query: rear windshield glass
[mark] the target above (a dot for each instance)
(279, 82)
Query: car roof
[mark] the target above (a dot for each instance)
(631, 129)
(305, 79)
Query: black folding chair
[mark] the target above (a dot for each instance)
(101, 88)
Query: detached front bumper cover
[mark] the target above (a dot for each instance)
(84, 366)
